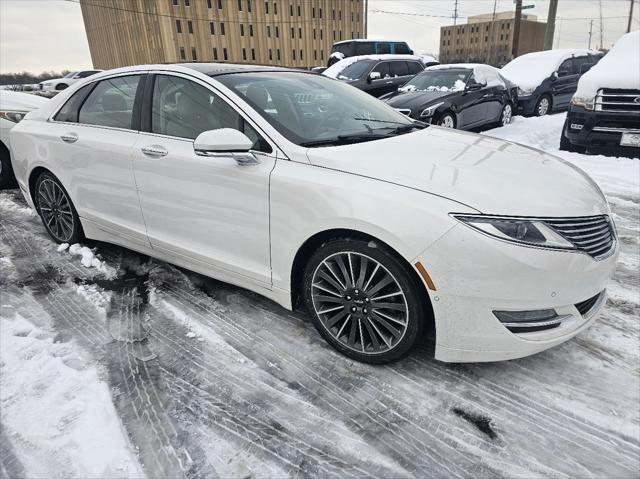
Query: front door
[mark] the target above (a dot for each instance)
(207, 209)
(565, 84)
(473, 104)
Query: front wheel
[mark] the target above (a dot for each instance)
(543, 106)
(507, 114)
(56, 210)
(363, 300)
(447, 120)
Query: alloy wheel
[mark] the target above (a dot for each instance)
(506, 114)
(447, 122)
(543, 106)
(359, 302)
(55, 208)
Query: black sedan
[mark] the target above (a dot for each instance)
(462, 96)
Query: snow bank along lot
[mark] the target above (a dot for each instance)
(114, 365)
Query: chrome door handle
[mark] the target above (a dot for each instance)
(389, 82)
(69, 137)
(156, 151)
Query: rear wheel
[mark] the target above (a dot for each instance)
(7, 179)
(363, 300)
(58, 214)
(507, 114)
(543, 106)
(447, 120)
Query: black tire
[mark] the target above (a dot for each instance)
(7, 178)
(507, 110)
(61, 86)
(566, 145)
(374, 341)
(540, 110)
(442, 121)
(56, 210)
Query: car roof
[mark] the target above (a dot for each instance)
(216, 69)
(356, 40)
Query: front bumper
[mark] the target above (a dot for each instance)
(497, 275)
(600, 129)
(526, 105)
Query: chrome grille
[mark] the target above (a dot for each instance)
(609, 99)
(592, 234)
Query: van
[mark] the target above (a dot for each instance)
(352, 48)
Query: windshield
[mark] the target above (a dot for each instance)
(438, 80)
(355, 71)
(312, 110)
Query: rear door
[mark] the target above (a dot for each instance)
(93, 138)
(399, 72)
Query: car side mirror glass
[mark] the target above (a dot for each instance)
(225, 143)
(374, 76)
(474, 86)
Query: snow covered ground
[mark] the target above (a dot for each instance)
(115, 365)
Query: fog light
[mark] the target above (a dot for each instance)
(576, 126)
(528, 321)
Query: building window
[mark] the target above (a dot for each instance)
(187, 3)
(291, 10)
(190, 26)
(278, 53)
(277, 32)
(340, 34)
(193, 54)
(320, 11)
(314, 33)
(321, 55)
(293, 54)
(321, 35)
(301, 57)
(244, 53)
(182, 54)
(266, 8)
(224, 54)
(333, 14)
(293, 32)
(299, 11)
(275, 8)
(270, 54)
(219, 4)
(352, 36)
(241, 30)
(249, 6)
(222, 28)
(334, 35)
(250, 30)
(315, 55)
(339, 14)
(239, 5)
(208, 3)
(269, 30)
(299, 32)
(175, 2)
(253, 54)
(215, 53)
(313, 12)
(178, 26)
(212, 28)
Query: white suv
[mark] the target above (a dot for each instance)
(306, 190)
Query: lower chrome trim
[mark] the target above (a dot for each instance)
(615, 130)
(596, 307)
(537, 324)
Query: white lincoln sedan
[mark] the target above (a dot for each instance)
(310, 192)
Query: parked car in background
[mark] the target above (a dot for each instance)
(605, 110)
(57, 84)
(547, 80)
(462, 96)
(428, 60)
(13, 107)
(376, 74)
(359, 47)
(308, 191)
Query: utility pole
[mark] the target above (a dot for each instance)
(366, 18)
(590, 32)
(551, 25)
(601, 28)
(630, 16)
(455, 13)
(516, 30)
(493, 21)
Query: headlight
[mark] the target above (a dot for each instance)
(581, 103)
(517, 230)
(429, 111)
(525, 91)
(14, 116)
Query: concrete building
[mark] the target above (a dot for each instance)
(485, 41)
(292, 33)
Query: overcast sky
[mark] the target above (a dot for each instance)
(38, 35)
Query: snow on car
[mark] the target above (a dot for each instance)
(336, 70)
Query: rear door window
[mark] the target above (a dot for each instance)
(566, 68)
(383, 69)
(398, 69)
(414, 68)
(69, 112)
(111, 103)
(384, 48)
(364, 48)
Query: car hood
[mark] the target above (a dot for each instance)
(490, 175)
(415, 99)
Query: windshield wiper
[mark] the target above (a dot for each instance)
(343, 140)
(378, 120)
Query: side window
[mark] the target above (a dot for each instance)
(579, 63)
(364, 48)
(399, 69)
(111, 103)
(184, 109)
(69, 111)
(86, 74)
(414, 68)
(384, 48)
(401, 49)
(566, 68)
(382, 69)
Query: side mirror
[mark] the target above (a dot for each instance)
(373, 76)
(225, 143)
(475, 86)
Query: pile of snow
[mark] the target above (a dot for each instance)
(530, 70)
(56, 411)
(89, 259)
(620, 68)
(482, 73)
(334, 70)
(457, 86)
(428, 58)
